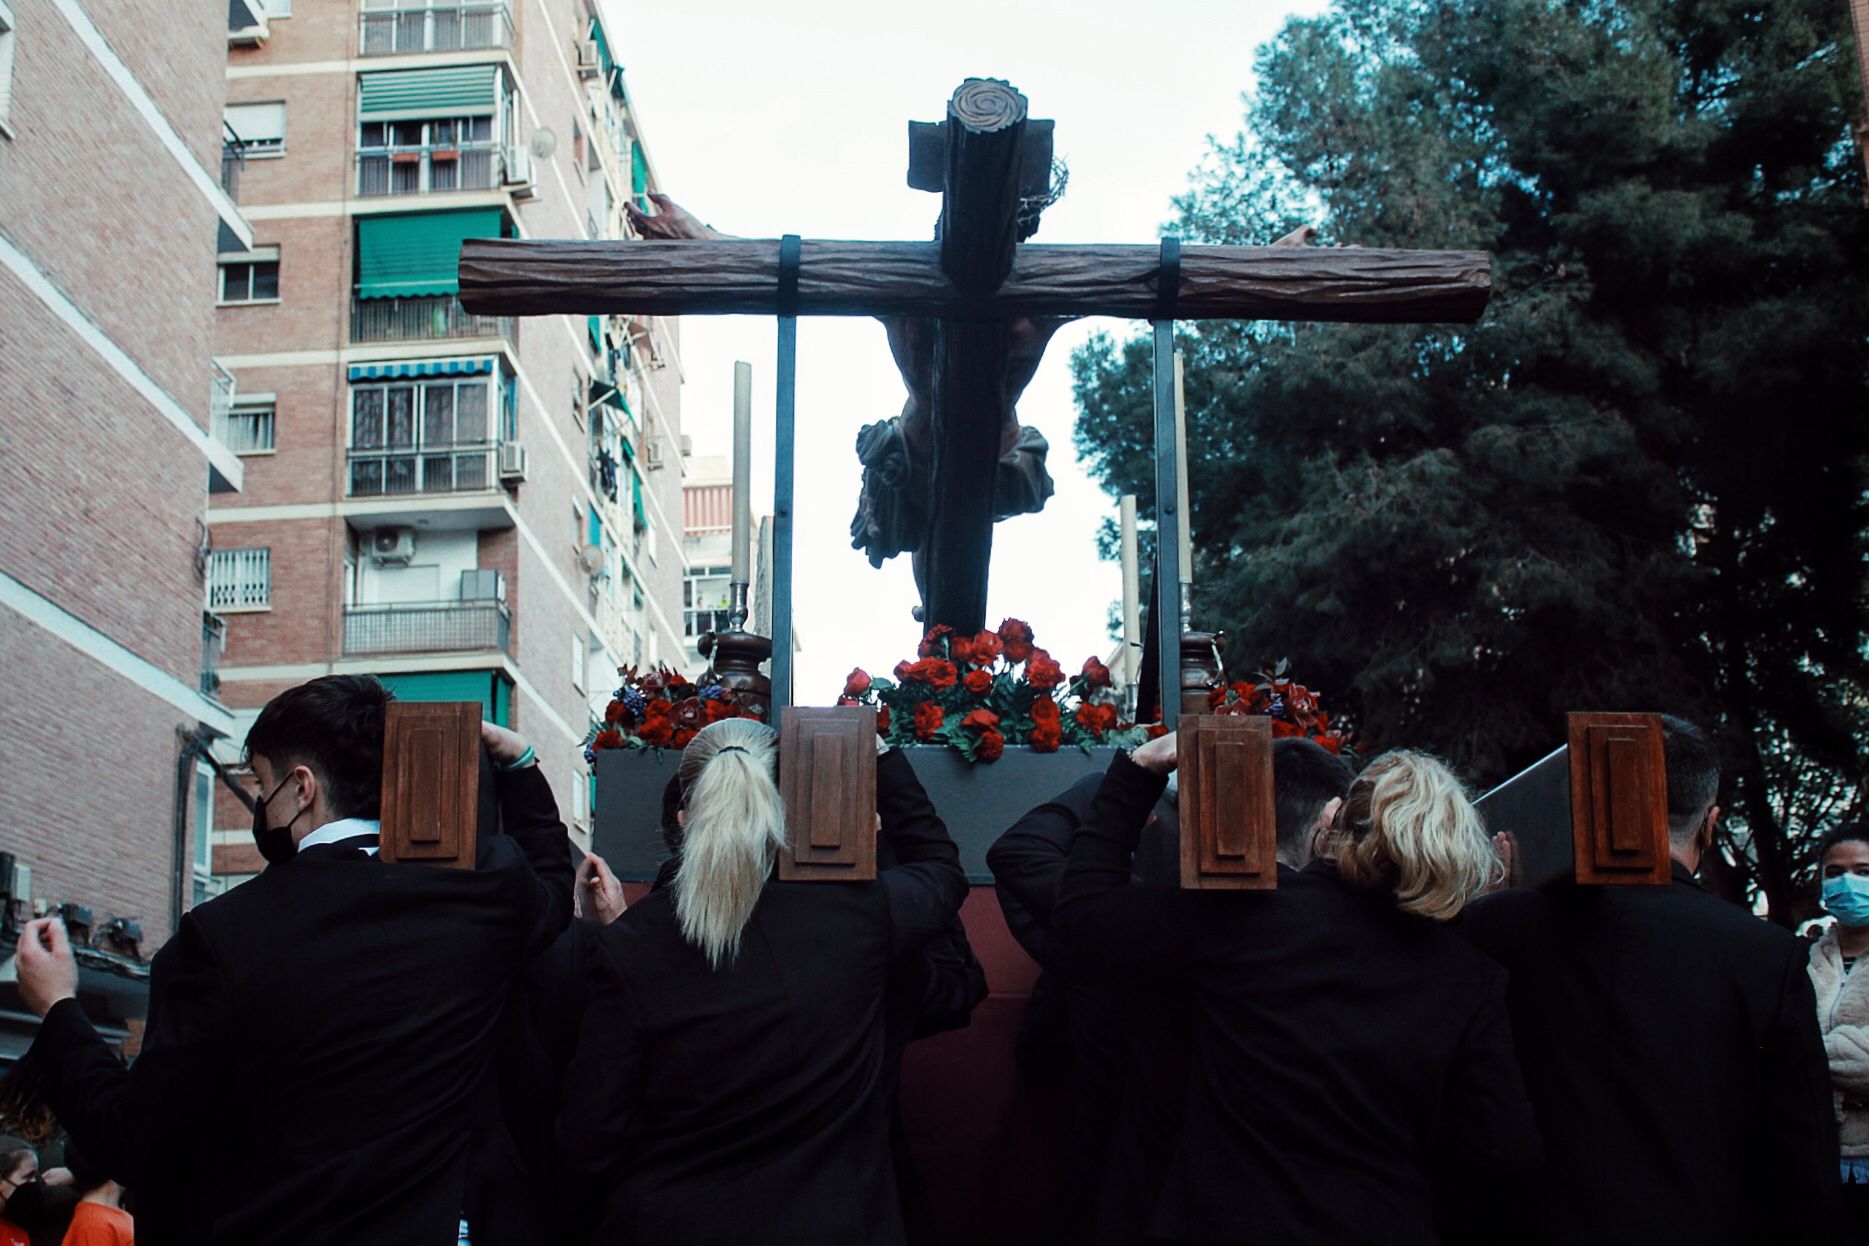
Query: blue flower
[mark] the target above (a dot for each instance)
(590, 756)
(713, 692)
(634, 701)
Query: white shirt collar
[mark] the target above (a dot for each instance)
(343, 828)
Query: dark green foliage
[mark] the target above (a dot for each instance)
(1639, 482)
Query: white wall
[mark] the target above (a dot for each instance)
(434, 574)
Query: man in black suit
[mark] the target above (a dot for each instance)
(1127, 1035)
(1670, 1047)
(318, 1038)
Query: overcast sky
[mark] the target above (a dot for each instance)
(792, 118)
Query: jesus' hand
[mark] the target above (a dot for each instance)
(47, 971)
(670, 222)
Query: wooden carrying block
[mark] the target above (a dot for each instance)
(1619, 799)
(1229, 824)
(827, 775)
(431, 782)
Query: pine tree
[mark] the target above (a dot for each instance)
(1638, 483)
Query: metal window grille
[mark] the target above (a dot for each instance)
(240, 579)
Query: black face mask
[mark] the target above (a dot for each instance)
(274, 842)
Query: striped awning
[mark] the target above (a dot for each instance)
(415, 254)
(425, 94)
(419, 367)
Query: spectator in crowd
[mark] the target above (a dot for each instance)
(1348, 1049)
(20, 1164)
(1670, 1045)
(1843, 1011)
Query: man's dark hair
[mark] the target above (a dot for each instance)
(85, 1175)
(334, 727)
(1858, 831)
(1306, 776)
(1692, 763)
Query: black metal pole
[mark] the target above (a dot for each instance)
(1167, 521)
(784, 445)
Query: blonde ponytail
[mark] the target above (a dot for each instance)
(1407, 827)
(735, 827)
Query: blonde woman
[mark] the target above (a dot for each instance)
(1347, 1046)
(727, 1086)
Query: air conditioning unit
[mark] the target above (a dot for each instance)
(655, 456)
(687, 446)
(587, 58)
(512, 463)
(392, 545)
(591, 560)
(516, 173)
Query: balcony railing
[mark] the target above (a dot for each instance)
(405, 27)
(213, 641)
(426, 318)
(428, 627)
(221, 396)
(428, 170)
(407, 471)
(233, 159)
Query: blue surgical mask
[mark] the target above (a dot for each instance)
(1846, 897)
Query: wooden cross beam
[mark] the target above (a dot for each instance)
(976, 282)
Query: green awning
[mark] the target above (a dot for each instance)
(596, 325)
(416, 94)
(635, 496)
(405, 256)
(490, 688)
(603, 46)
(638, 175)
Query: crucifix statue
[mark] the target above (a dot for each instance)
(969, 315)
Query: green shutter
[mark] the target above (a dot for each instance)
(603, 46)
(596, 325)
(638, 175)
(404, 256)
(414, 94)
(635, 496)
(487, 687)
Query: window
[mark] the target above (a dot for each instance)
(578, 793)
(6, 65)
(578, 653)
(255, 281)
(240, 579)
(248, 428)
(261, 128)
(424, 156)
(428, 436)
(705, 596)
(205, 884)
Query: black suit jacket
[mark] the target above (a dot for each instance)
(1342, 1052)
(317, 1043)
(1670, 1044)
(745, 1104)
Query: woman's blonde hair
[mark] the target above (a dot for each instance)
(1407, 827)
(735, 828)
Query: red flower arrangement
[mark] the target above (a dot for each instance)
(662, 709)
(977, 694)
(1291, 706)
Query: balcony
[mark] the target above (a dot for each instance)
(427, 627)
(430, 170)
(408, 27)
(213, 643)
(233, 160)
(406, 471)
(424, 318)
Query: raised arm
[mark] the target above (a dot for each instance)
(1028, 864)
(1099, 915)
(925, 887)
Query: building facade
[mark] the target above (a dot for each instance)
(107, 328)
(471, 508)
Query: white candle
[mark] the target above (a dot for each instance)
(742, 471)
(1132, 595)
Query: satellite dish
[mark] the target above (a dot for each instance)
(590, 560)
(544, 142)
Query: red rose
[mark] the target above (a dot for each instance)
(1041, 671)
(986, 648)
(991, 746)
(979, 681)
(902, 670)
(1155, 731)
(931, 643)
(717, 710)
(1016, 636)
(882, 721)
(858, 683)
(981, 720)
(656, 710)
(1046, 737)
(1045, 712)
(615, 712)
(1096, 673)
(960, 648)
(937, 673)
(657, 730)
(609, 737)
(682, 737)
(1096, 718)
(928, 717)
(1282, 730)
(1216, 697)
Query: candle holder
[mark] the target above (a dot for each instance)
(1201, 670)
(736, 656)
(736, 606)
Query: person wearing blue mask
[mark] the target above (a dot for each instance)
(1843, 1009)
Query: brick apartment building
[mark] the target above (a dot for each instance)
(107, 325)
(471, 508)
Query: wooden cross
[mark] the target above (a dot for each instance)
(974, 282)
